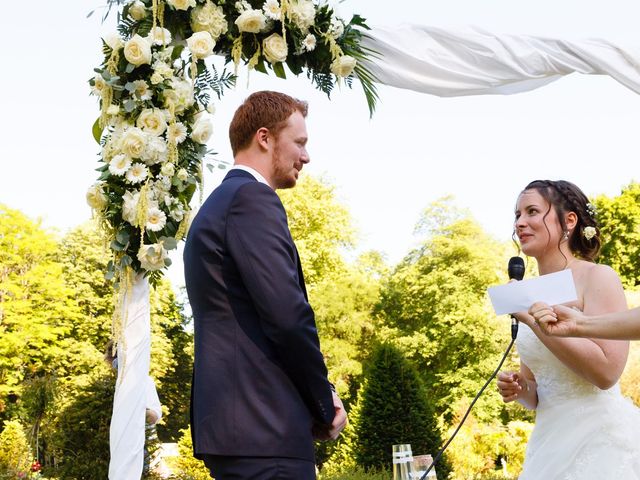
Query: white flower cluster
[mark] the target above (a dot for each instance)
(153, 128)
(143, 129)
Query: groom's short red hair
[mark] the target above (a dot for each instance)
(262, 109)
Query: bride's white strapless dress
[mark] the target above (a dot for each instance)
(581, 432)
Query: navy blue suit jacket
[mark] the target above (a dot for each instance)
(260, 381)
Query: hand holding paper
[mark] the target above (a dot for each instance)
(552, 289)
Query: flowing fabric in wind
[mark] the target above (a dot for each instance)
(472, 61)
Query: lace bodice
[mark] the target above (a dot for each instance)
(556, 382)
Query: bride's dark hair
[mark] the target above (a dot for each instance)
(566, 197)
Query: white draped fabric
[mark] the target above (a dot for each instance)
(451, 63)
(135, 391)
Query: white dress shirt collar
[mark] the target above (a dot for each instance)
(253, 172)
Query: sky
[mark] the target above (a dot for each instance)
(387, 169)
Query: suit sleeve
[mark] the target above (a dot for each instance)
(259, 241)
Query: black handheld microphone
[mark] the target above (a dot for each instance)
(516, 272)
(516, 268)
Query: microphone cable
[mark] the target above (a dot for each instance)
(514, 334)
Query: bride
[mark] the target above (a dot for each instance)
(585, 429)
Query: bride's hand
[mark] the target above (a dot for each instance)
(511, 385)
(560, 321)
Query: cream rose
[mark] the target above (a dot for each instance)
(167, 170)
(202, 130)
(133, 142)
(152, 121)
(275, 48)
(137, 10)
(343, 66)
(96, 197)
(302, 13)
(209, 18)
(152, 257)
(201, 44)
(137, 51)
(252, 21)
(114, 41)
(182, 4)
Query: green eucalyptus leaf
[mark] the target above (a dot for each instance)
(278, 69)
(122, 237)
(116, 246)
(97, 130)
(169, 243)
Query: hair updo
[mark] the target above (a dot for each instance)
(565, 197)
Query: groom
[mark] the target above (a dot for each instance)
(260, 393)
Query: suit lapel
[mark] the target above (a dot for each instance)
(300, 274)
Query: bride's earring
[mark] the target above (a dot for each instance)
(566, 235)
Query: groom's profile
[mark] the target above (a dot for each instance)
(260, 392)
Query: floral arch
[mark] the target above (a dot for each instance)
(156, 90)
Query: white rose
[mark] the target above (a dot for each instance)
(337, 27)
(114, 41)
(167, 170)
(274, 48)
(152, 257)
(209, 18)
(113, 110)
(137, 10)
(182, 175)
(182, 4)
(137, 51)
(159, 36)
(211, 108)
(252, 21)
(201, 44)
(96, 197)
(133, 142)
(201, 131)
(303, 14)
(130, 207)
(343, 66)
(152, 121)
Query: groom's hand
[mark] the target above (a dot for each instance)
(331, 432)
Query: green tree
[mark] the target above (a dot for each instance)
(81, 434)
(434, 307)
(185, 466)
(320, 226)
(619, 219)
(395, 409)
(39, 314)
(15, 454)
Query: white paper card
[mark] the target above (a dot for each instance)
(553, 289)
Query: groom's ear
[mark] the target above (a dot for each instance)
(263, 138)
